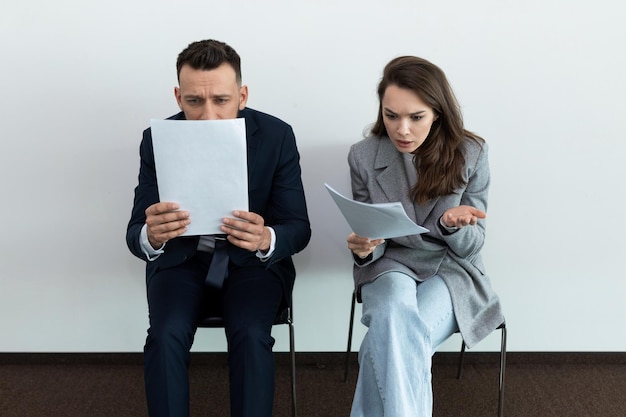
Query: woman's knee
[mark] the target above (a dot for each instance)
(391, 295)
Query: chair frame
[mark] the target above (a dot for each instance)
(459, 374)
(285, 316)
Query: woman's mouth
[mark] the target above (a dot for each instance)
(404, 143)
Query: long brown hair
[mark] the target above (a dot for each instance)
(439, 160)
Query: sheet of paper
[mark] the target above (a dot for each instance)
(376, 221)
(202, 165)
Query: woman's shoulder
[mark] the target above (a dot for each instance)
(367, 142)
(365, 146)
(475, 143)
(475, 152)
(474, 147)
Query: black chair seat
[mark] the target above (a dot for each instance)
(284, 316)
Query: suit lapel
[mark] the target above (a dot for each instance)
(251, 141)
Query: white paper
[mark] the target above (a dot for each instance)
(375, 221)
(202, 165)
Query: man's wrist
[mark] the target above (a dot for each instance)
(267, 253)
(146, 246)
(266, 241)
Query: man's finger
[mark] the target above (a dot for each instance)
(163, 207)
(248, 216)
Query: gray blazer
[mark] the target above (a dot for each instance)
(378, 175)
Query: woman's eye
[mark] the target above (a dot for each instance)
(391, 116)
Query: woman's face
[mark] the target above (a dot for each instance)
(407, 118)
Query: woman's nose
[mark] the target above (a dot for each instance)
(404, 127)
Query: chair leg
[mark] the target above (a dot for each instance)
(292, 351)
(459, 372)
(502, 371)
(351, 327)
(502, 368)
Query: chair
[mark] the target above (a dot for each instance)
(285, 316)
(459, 374)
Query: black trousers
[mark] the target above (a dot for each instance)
(177, 298)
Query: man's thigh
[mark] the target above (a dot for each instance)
(176, 295)
(251, 296)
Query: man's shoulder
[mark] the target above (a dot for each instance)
(263, 120)
(177, 116)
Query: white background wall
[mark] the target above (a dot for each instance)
(542, 81)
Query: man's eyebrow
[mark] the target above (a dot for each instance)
(225, 95)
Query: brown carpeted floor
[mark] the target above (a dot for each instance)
(95, 385)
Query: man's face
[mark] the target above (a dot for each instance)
(210, 95)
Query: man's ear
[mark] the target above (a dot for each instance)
(243, 96)
(178, 98)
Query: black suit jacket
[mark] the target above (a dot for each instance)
(274, 191)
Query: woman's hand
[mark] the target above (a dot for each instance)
(462, 216)
(362, 246)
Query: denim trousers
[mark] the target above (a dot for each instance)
(407, 321)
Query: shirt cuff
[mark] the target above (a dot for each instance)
(265, 256)
(362, 261)
(447, 230)
(146, 247)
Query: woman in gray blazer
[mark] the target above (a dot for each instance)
(418, 290)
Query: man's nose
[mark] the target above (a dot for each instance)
(208, 112)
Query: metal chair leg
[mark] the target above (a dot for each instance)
(459, 372)
(292, 351)
(347, 366)
(502, 370)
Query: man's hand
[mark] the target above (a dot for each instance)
(164, 223)
(462, 216)
(362, 246)
(247, 231)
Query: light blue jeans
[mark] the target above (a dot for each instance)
(406, 323)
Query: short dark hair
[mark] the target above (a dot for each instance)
(208, 55)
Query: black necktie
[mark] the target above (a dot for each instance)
(218, 269)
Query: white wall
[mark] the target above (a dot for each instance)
(542, 81)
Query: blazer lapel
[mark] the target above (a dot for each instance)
(392, 178)
(395, 185)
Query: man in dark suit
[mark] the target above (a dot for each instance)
(259, 243)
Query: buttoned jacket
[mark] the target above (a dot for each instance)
(275, 192)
